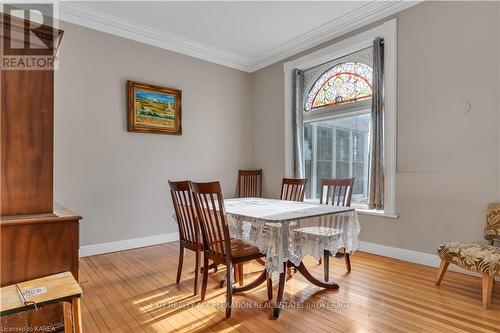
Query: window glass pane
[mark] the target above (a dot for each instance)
(324, 143)
(358, 173)
(342, 145)
(342, 170)
(358, 148)
(339, 149)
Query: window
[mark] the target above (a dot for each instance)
(347, 82)
(329, 99)
(336, 145)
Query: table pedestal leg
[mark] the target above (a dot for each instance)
(302, 270)
(326, 264)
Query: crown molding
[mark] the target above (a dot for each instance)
(358, 18)
(97, 20)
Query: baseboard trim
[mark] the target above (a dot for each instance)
(415, 257)
(94, 249)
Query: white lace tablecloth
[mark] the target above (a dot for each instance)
(289, 230)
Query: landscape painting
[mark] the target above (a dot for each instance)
(153, 109)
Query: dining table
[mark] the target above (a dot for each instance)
(287, 231)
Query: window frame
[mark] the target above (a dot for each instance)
(339, 111)
(388, 31)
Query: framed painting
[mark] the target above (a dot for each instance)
(154, 109)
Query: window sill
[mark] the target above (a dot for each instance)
(373, 212)
(362, 209)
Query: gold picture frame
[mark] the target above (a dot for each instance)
(154, 109)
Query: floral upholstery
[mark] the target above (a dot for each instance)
(492, 229)
(481, 258)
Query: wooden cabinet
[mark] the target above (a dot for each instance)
(36, 238)
(37, 245)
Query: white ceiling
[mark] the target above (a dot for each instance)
(242, 35)
(243, 28)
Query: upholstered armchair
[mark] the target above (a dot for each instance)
(476, 257)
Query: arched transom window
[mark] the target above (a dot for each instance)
(344, 83)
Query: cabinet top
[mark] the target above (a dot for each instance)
(60, 214)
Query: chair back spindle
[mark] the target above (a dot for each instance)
(249, 183)
(337, 192)
(185, 212)
(212, 218)
(293, 189)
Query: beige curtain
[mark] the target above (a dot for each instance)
(377, 178)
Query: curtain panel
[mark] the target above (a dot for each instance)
(297, 122)
(377, 178)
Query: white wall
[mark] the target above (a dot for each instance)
(117, 180)
(447, 166)
(268, 128)
(448, 162)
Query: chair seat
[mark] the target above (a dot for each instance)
(241, 250)
(476, 257)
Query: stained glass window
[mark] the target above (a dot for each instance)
(344, 83)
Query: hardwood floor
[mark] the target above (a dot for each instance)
(135, 291)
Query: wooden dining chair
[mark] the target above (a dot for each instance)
(189, 230)
(217, 244)
(336, 192)
(293, 189)
(249, 183)
(190, 233)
